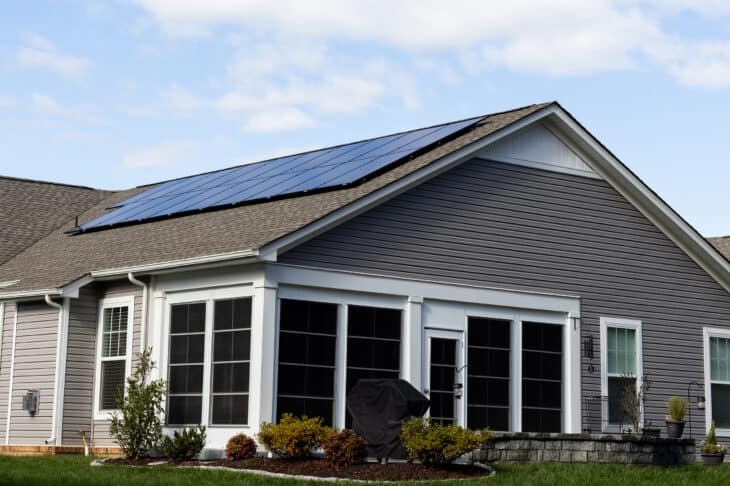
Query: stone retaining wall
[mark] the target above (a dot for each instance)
(604, 448)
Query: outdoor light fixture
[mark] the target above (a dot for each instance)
(699, 398)
(701, 403)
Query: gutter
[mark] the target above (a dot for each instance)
(143, 320)
(59, 378)
(10, 384)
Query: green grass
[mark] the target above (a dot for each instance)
(75, 470)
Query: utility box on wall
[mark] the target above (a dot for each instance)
(30, 402)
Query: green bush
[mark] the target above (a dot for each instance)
(240, 446)
(293, 437)
(434, 444)
(711, 446)
(677, 408)
(184, 446)
(137, 429)
(345, 448)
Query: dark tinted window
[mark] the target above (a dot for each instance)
(185, 382)
(542, 371)
(488, 373)
(306, 368)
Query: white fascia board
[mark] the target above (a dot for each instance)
(399, 186)
(202, 261)
(24, 294)
(339, 280)
(644, 199)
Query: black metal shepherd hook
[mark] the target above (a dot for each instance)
(700, 400)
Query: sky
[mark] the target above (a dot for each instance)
(121, 93)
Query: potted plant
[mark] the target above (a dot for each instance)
(713, 453)
(677, 407)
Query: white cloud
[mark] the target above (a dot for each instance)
(557, 38)
(165, 154)
(40, 53)
(181, 99)
(278, 121)
(46, 104)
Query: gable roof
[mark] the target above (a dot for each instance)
(722, 244)
(235, 233)
(33, 209)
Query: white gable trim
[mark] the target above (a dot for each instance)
(600, 160)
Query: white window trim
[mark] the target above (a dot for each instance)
(217, 434)
(707, 333)
(107, 303)
(605, 323)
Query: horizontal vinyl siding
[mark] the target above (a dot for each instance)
(35, 364)
(5, 356)
(501, 225)
(79, 388)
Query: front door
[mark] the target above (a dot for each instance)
(444, 385)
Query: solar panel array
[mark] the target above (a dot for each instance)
(327, 168)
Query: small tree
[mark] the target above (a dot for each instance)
(138, 427)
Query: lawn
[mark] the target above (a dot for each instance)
(75, 470)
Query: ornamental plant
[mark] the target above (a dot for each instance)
(293, 437)
(239, 447)
(137, 427)
(711, 446)
(433, 443)
(677, 408)
(345, 448)
(185, 445)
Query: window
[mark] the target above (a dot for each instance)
(185, 375)
(717, 359)
(306, 370)
(620, 366)
(542, 371)
(114, 343)
(488, 373)
(231, 360)
(373, 345)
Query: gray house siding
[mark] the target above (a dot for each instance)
(35, 360)
(80, 358)
(5, 354)
(495, 224)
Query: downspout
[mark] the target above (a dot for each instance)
(12, 370)
(143, 320)
(59, 362)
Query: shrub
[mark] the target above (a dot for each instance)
(711, 446)
(137, 427)
(677, 408)
(345, 448)
(293, 437)
(432, 443)
(186, 445)
(240, 446)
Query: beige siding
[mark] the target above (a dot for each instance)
(79, 387)
(35, 362)
(5, 354)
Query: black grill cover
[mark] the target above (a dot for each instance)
(378, 408)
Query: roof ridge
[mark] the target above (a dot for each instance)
(330, 147)
(51, 183)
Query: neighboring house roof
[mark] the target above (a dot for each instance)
(59, 258)
(32, 209)
(60, 263)
(722, 243)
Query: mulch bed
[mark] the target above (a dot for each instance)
(319, 468)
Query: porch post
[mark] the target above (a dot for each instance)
(412, 348)
(263, 353)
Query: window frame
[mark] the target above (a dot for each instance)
(620, 323)
(209, 297)
(707, 333)
(111, 303)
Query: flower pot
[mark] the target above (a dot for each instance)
(675, 429)
(713, 459)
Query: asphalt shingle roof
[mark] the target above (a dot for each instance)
(59, 258)
(30, 210)
(722, 244)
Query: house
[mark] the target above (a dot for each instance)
(509, 265)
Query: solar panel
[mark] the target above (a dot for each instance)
(323, 169)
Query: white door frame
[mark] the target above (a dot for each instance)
(458, 336)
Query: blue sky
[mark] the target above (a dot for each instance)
(121, 93)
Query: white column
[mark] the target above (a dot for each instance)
(413, 343)
(516, 380)
(263, 351)
(571, 365)
(156, 332)
(341, 367)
